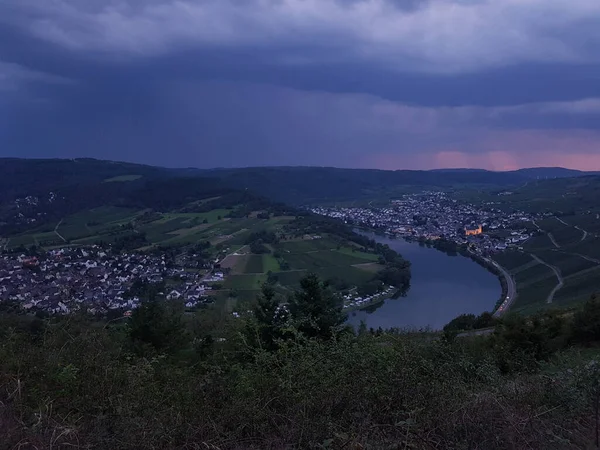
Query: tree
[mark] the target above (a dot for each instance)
(486, 319)
(270, 317)
(157, 326)
(316, 311)
(586, 323)
(258, 248)
(460, 323)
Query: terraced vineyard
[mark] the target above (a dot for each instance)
(568, 244)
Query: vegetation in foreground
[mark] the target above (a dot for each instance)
(295, 377)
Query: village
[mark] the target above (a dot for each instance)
(432, 215)
(93, 278)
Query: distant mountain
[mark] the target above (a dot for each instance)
(101, 180)
(457, 170)
(299, 185)
(553, 172)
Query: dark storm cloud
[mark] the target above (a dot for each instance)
(390, 83)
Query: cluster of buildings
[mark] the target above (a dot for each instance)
(355, 301)
(433, 215)
(94, 279)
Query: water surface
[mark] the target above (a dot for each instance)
(442, 287)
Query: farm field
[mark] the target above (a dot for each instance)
(579, 287)
(532, 297)
(568, 264)
(108, 223)
(511, 259)
(533, 274)
(587, 222)
(325, 257)
(245, 282)
(541, 242)
(321, 258)
(577, 259)
(123, 178)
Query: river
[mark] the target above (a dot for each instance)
(441, 288)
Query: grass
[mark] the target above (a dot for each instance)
(587, 222)
(511, 259)
(533, 297)
(305, 246)
(566, 263)
(540, 242)
(254, 264)
(566, 236)
(579, 288)
(245, 281)
(323, 258)
(533, 274)
(351, 275)
(590, 247)
(290, 278)
(23, 239)
(270, 263)
(162, 230)
(82, 228)
(363, 255)
(211, 216)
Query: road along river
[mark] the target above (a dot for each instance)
(442, 287)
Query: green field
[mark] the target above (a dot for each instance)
(535, 281)
(567, 264)
(270, 263)
(325, 257)
(245, 281)
(254, 264)
(579, 287)
(590, 247)
(123, 178)
(290, 278)
(511, 259)
(587, 222)
(322, 258)
(541, 242)
(532, 297)
(211, 216)
(533, 274)
(305, 246)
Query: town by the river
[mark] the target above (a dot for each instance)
(442, 287)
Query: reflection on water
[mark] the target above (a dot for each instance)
(442, 287)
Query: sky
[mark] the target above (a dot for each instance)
(388, 84)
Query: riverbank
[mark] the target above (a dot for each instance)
(452, 249)
(370, 302)
(441, 289)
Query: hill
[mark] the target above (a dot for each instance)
(562, 196)
(246, 237)
(552, 172)
(309, 185)
(291, 185)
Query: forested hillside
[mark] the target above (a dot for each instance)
(294, 185)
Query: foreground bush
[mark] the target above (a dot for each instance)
(74, 384)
